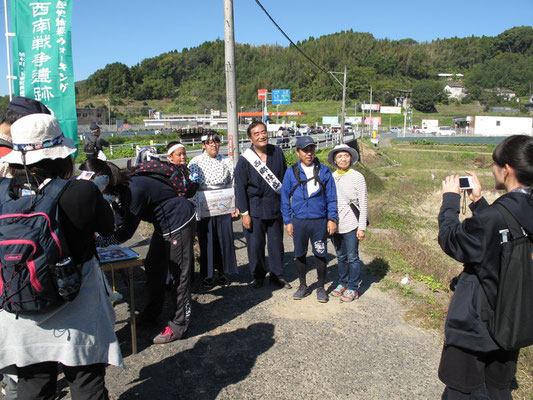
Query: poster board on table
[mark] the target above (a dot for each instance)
(115, 253)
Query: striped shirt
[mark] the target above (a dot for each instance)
(351, 188)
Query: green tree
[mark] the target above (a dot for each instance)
(426, 94)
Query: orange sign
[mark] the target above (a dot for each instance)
(272, 114)
(262, 94)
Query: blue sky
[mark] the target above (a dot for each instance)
(106, 31)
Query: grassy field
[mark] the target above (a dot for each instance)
(404, 197)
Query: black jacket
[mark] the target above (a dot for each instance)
(96, 142)
(476, 242)
(252, 193)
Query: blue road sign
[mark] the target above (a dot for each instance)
(281, 96)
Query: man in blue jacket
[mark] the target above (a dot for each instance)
(309, 209)
(258, 178)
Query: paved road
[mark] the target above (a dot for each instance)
(249, 343)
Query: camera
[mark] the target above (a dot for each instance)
(465, 182)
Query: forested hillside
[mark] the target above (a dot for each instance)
(196, 76)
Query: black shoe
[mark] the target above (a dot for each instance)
(300, 293)
(321, 295)
(258, 283)
(223, 280)
(208, 283)
(279, 282)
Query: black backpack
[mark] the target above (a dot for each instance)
(176, 176)
(316, 177)
(36, 273)
(510, 322)
(89, 148)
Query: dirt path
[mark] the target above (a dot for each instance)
(249, 343)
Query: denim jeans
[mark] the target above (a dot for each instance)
(349, 265)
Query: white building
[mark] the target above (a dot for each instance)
(502, 126)
(455, 90)
(504, 93)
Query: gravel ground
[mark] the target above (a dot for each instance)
(246, 343)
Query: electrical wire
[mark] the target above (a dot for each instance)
(292, 43)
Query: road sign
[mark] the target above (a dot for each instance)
(261, 94)
(281, 96)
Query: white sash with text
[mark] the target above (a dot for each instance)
(263, 170)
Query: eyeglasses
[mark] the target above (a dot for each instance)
(343, 157)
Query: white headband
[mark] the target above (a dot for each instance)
(175, 147)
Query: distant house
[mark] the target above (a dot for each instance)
(504, 93)
(455, 90)
(87, 116)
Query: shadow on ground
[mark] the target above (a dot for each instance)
(203, 371)
(211, 308)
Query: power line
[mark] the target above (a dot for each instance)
(291, 42)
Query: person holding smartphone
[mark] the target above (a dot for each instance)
(471, 359)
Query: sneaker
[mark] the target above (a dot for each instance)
(300, 293)
(338, 291)
(166, 336)
(349, 295)
(321, 295)
(208, 283)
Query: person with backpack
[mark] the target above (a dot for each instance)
(94, 143)
(55, 308)
(258, 176)
(351, 199)
(474, 356)
(150, 193)
(215, 233)
(309, 210)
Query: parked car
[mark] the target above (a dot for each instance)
(445, 131)
(395, 130)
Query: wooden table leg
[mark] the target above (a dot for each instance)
(132, 315)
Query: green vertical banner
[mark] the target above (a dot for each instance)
(42, 57)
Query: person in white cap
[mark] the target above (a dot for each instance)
(78, 334)
(351, 199)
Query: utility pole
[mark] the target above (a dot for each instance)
(231, 84)
(343, 100)
(343, 116)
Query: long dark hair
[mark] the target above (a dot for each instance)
(517, 151)
(47, 168)
(118, 178)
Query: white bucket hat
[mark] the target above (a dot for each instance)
(346, 148)
(38, 137)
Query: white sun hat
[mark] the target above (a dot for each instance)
(38, 137)
(343, 147)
